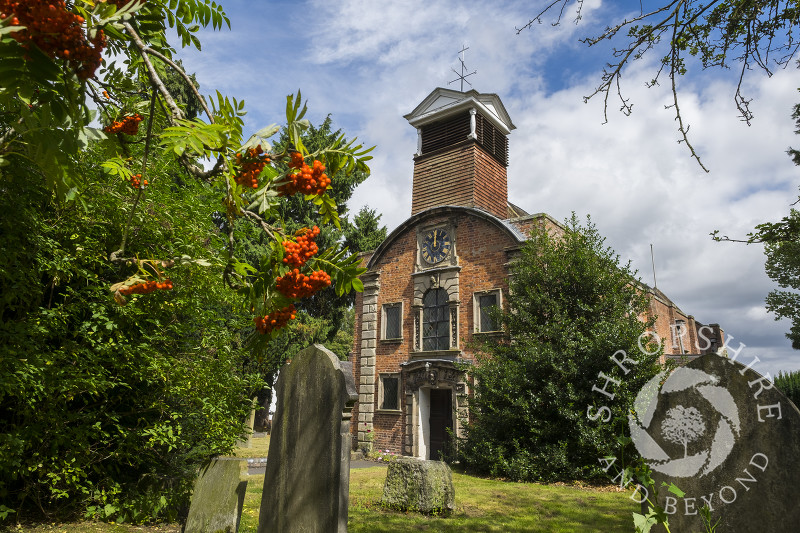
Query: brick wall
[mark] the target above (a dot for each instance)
(465, 175)
(483, 252)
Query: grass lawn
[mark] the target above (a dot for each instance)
(258, 448)
(481, 505)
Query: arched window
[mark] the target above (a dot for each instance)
(435, 320)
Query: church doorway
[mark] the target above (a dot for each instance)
(440, 423)
(435, 393)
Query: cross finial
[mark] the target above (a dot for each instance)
(462, 76)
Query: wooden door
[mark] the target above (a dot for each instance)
(441, 419)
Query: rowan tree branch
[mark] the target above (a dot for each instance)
(186, 78)
(175, 111)
(154, 77)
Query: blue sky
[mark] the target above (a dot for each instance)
(368, 63)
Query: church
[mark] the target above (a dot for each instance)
(430, 285)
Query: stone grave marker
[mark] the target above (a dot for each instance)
(306, 485)
(418, 485)
(247, 439)
(218, 497)
(725, 436)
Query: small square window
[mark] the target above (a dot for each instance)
(390, 392)
(485, 305)
(392, 321)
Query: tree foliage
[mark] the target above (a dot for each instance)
(571, 306)
(326, 317)
(782, 249)
(783, 266)
(128, 299)
(789, 384)
(743, 34)
(109, 409)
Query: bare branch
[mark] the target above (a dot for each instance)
(760, 33)
(186, 78)
(140, 190)
(684, 130)
(538, 18)
(154, 77)
(175, 111)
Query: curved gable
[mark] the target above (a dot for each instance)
(514, 234)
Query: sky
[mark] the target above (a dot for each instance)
(367, 63)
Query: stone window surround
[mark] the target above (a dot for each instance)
(384, 338)
(476, 308)
(444, 278)
(381, 377)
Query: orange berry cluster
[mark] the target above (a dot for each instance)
(297, 253)
(307, 181)
(136, 181)
(128, 125)
(296, 285)
(275, 320)
(297, 160)
(55, 31)
(252, 163)
(147, 287)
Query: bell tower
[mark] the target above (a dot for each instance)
(462, 152)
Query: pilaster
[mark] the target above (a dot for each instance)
(369, 336)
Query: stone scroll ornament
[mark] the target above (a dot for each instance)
(306, 484)
(728, 439)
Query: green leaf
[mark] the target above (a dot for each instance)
(674, 489)
(642, 523)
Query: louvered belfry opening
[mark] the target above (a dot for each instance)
(492, 139)
(445, 133)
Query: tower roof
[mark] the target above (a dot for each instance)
(444, 102)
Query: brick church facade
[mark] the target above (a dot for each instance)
(429, 286)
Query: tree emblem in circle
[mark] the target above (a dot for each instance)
(699, 404)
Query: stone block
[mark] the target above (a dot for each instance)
(217, 498)
(418, 485)
(366, 354)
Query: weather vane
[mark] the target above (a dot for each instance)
(461, 75)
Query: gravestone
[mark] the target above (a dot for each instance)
(418, 485)
(247, 439)
(217, 498)
(306, 485)
(727, 438)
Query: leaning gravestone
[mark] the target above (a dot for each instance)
(727, 438)
(217, 499)
(417, 485)
(306, 485)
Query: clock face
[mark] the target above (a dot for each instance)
(436, 246)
